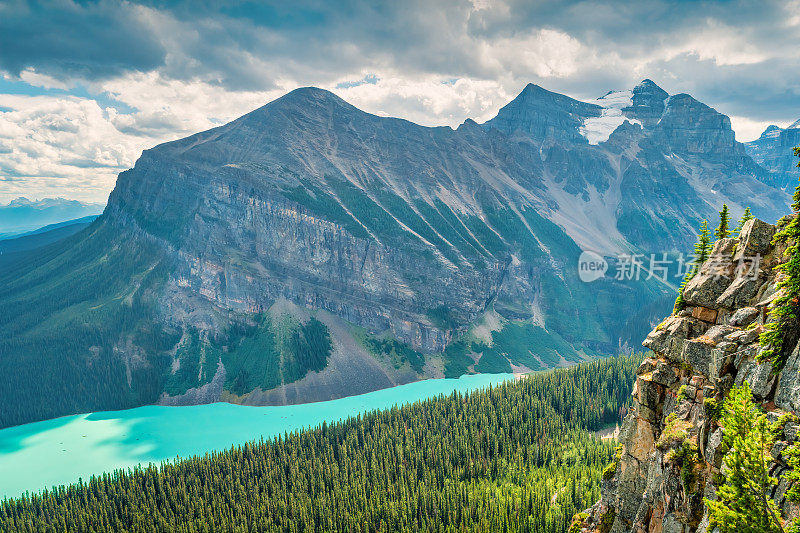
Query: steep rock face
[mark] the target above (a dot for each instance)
(774, 151)
(699, 353)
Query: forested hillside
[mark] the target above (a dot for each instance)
(518, 457)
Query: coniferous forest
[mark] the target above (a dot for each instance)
(517, 457)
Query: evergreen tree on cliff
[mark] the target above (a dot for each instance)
(723, 230)
(702, 249)
(785, 312)
(745, 217)
(744, 505)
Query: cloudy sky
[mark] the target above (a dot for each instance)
(86, 85)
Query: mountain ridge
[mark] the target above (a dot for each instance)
(22, 215)
(774, 151)
(230, 256)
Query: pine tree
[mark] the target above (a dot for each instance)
(702, 250)
(785, 311)
(723, 230)
(745, 217)
(744, 505)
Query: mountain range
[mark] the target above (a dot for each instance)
(22, 215)
(774, 150)
(309, 250)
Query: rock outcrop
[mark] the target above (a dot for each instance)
(699, 354)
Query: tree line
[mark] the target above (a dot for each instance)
(517, 457)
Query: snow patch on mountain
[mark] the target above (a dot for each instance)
(599, 129)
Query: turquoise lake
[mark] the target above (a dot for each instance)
(59, 451)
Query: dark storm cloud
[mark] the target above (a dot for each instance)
(73, 40)
(741, 56)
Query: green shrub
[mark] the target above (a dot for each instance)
(675, 432)
(785, 311)
(611, 469)
(681, 394)
(577, 521)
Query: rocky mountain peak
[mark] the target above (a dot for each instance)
(647, 103)
(20, 202)
(690, 127)
(649, 86)
(774, 150)
(542, 114)
(304, 101)
(308, 95)
(771, 132)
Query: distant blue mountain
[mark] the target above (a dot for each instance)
(12, 247)
(774, 150)
(22, 215)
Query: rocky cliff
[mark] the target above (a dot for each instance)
(699, 354)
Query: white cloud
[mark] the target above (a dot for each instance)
(172, 108)
(430, 101)
(544, 53)
(723, 44)
(70, 146)
(35, 79)
(747, 129)
(61, 143)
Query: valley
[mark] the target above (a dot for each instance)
(33, 457)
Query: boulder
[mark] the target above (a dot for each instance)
(728, 346)
(718, 333)
(750, 336)
(724, 247)
(647, 392)
(790, 431)
(739, 293)
(721, 363)
(735, 336)
(658, 340)
(668, 338)
(699, 354)
(664, 374)
(647, 366)
(754, 239)
(712, 454)
(672, 524)
(642, 441)
(758, 376)
(744, 317)
(705, 314)
(777, 449)
(705, 289)
(748, 352)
